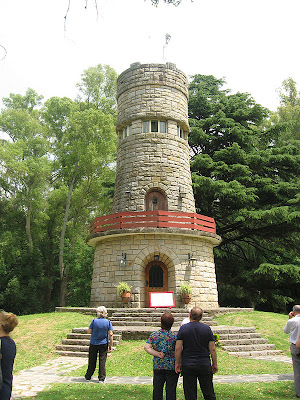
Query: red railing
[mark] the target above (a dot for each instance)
(153, 219)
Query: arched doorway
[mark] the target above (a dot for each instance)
(156, 200)
(156, 279)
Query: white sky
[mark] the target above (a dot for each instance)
(254, 44)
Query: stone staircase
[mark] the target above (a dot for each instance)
(132, 323)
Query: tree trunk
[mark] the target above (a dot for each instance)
(28, 228)
(62, 269)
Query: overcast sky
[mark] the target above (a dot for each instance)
(254, 44)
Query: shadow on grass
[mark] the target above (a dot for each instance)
(240, 391)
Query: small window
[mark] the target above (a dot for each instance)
(179, 132)
(127, 131)
(154, 126)
(146, 126)
(162, 127)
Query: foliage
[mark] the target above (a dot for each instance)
(57, 173)
(123, 287)
(246, 175)
(185, 289)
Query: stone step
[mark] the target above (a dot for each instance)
(148, 318)
(226, 330)
(248, 348)
(239, 342)
(239, 336)
(82, 342)
(72, 353)
(75, 348)
(87, 336)
(256, 353)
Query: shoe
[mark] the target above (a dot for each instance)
(87, 379)
(101, 381)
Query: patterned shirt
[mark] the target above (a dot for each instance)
(164, 341)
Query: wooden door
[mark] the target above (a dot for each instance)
(156, 200)
(156, 279)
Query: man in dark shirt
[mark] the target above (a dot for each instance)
(195, 344)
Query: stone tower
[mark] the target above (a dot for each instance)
(154, 240)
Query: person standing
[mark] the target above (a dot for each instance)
(194, 347)
(101, 342)
(161, 345)
(293, 328)
(8, 322)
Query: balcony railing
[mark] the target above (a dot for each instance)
(153, 219)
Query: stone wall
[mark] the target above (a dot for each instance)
(173, 249)
(153, 160)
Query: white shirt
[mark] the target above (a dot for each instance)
(293, 328)
(185, 321)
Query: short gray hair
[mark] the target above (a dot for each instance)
(102, 311)
(296, 308)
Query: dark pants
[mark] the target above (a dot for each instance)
(205, 377)
(93, 352)
(160, 377)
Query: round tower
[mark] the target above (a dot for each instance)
(153, 168)
(153, 240)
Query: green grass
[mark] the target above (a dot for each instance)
(270, 325)
(37, 335)
(238, 391)
(130, 359)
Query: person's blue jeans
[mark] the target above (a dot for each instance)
(161, 377)
(93, 352)
(202, 373)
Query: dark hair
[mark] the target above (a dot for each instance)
(8, 321)
(166, 321)
(196, 313)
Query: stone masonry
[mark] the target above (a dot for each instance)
(153, 156)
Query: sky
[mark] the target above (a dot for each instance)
(253, 44)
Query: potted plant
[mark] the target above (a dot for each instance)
(185, 292)
(124, 291)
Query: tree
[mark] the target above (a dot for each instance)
(248, 181)
(83, 147)
(24, 158)
(98, 88)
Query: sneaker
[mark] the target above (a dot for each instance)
(101, 381)
(87, 379)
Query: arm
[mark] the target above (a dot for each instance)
(149, 349)
(90, 331)
(213, 353)
(110, 340)
(178, 354)
(298, 343)
(287, 328)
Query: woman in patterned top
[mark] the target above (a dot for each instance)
(161, 345)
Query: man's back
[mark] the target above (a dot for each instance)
(196, 337)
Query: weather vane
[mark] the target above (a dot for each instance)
(167, 39)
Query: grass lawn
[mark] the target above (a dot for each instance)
(130, 359)
(238, 391)
(270, 325)
(37, 335)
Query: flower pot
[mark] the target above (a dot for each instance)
(186, 298)
(126, 297)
